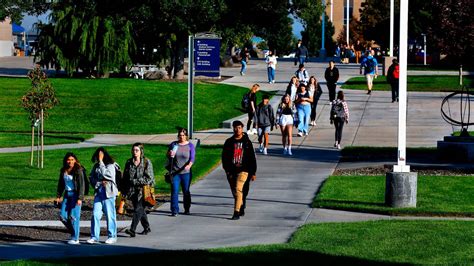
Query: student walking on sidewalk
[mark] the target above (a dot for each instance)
(393, 77)
(303, 105)
(370, 66)
(271, 61)
(71, 185)
(138, 172)
(265, 122)
(332, 76)
(315, 92)
(240, 166)
(286, 113)
(181, 155)
(252, 110)
(339, 115)
(103, 180)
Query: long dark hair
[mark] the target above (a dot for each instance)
(76, 167)
(107, 158)
(340, 95)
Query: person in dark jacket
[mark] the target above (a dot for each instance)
(138, 172)
(265, 122)
(240, 166)
(301, 53)
(332, 76)
(71, 185)
(393, 76)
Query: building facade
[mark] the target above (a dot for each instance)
(336, 13)
(6, 41)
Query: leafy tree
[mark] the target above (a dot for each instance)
(37, 101)
(14, 9)
(309, 13)
(82, 35)
(452, 29)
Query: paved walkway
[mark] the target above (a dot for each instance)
(280, 199)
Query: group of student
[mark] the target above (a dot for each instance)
(297, 108)
(108, 181)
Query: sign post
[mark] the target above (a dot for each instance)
(204, 60)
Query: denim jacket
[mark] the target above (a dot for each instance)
(101, 172)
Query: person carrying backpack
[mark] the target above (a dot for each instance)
(370, 66)
(393, 76)
(302, 75)
(339, 115)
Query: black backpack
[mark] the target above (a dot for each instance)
(245, 101)
(337, 110)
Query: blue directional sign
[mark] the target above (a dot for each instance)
(207, 57)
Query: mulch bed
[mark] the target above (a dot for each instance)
(381, 170)
(46, 211)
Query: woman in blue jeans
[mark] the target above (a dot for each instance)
(303, 106)
(71, 185)
(181, 155)
(103, 180)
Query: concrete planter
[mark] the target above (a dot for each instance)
(401, 189)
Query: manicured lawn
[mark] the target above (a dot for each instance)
(437, 195)
(20, 181)
(415, 83)
(125, 106)
(357, 153)
(24, 139)
(361, 243)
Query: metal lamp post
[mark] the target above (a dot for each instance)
(322, 52)
(424, 48)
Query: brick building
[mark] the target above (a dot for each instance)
(6, 38)
(336, 12)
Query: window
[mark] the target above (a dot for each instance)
(351, 7)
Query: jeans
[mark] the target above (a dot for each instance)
(239, 185)
(314, 105)
(244, 67)
(102, 204)
(339, 125)
(70, 214)
(302, 59)
(139, 215)
(304, 112)
(185, 181)
(271, 74)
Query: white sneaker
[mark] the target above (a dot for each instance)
(285, 151)
(338, 146)
(312, 123)
(300, 134)
(306, 133)
(254, 131)
(73, 242)
(289, 152)
(92, 241)
(111, 240)
(260, 148)
(335, 144)
(265, 151)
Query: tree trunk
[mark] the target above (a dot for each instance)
(32, 143)
(181, 40)
(42, 139)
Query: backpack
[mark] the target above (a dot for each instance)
(369, 65)
(245, 101)
(396, 72)
(337, 110)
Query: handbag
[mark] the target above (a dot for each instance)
(149, 196)
(168, 177)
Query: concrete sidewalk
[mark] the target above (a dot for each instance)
(280, 199)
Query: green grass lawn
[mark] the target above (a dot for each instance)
(24, 139)
(437, 195)
(20, 181)
(415, 83)
(361, 243)
(125, 106)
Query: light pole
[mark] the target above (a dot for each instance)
(347, 22)
(322, 52)
(332, 9)
(424, 48)
(391, 25)
(401, 184)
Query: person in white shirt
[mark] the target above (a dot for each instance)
(271, 61)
